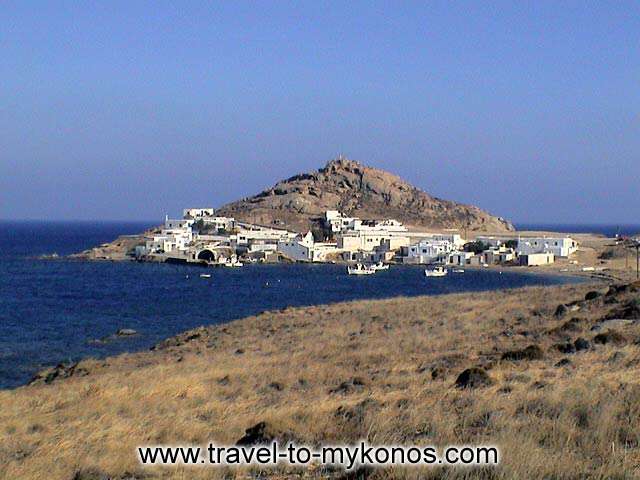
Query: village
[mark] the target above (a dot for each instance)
(200, 237)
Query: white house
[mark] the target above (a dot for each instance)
(427, 251)
(252, 234)
(361, 240)
(559, 246)
(220, 223)
(182, 223)
(341, 223)
(298, 248)
(175, 236)
(304, 249)
(534, 259)
(197, 213)
(460, 258)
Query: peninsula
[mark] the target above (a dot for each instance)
(348, 212)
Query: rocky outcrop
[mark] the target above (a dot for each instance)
(299, 202)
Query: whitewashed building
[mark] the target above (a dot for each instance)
(303, 248)
(559, 246)
(175, 236)
(197, 213)
(428, 251)
(220, 223)
(460, 258)
(536, 259)
(339, 223)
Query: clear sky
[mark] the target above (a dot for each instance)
(128, 110)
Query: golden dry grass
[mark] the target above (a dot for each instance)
(571, 422)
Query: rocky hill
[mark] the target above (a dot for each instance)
(299, 202)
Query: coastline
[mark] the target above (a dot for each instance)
(331, 373)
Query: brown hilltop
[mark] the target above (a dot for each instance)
(299, 202)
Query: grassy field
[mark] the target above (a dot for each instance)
(382, 370)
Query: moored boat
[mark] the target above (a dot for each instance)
(360, 269)
(437, 271)
(379, 266)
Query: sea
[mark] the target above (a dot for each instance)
(61, 310)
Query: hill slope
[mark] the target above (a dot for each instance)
(299, 202)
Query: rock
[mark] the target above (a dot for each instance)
(532, 352)
(610, 337)
(125, 332)
(349, 386)
(438, 373)
(58, 372)
(592, 295)
(573, 325)
(581, 344)
(473, 377)
(264, 433)
(539, 385)
(90, 474)
(566, 347)
(629, 311)
(617, 289)
(561, 311)
(565, 362)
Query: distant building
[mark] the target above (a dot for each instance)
(428, 251)
(303, 248)
(497, 255)
(197, 213)
(220, 223)
(460, 258)
(559, 246)
(175, 236)
(339, 223)
(536, 259)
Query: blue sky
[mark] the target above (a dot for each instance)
(128, 110)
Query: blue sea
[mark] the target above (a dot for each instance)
(54, 311)
(610, 230)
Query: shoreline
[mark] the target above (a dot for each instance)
(338, 372)
(412, 270)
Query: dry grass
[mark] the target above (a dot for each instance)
(550, 422)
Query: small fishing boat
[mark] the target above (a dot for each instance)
(205, 275)
(379, 266)
(437, 271)
(232, 262)
(360, 269)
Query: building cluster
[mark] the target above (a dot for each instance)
(200, 236)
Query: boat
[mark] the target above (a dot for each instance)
(205, 275)
(458, 270)
(360, 269)
(232, 262)
(379, 266)
(437, 271)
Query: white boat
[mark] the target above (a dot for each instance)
(360, 269)
(458, 270)
(205, 275)
(233, 263)
(379, 266)
(437, 271)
